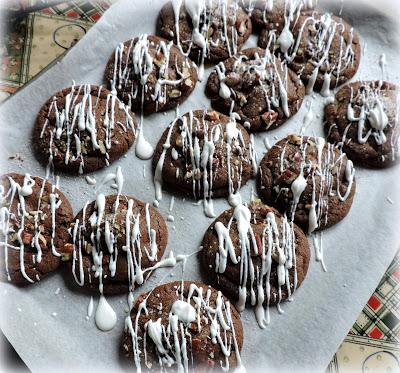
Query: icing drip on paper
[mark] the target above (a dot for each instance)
(90, 309)
(143, 148)
(105, 316)
(308, 119)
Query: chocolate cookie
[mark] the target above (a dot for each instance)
(273, 15)
(255, 256)
(114, 242)
(322, 49)
(309, 180)
(34, 222)
(204, 154)
(150, 74)
(208, 31)
(257, 86)
(82, 129)
(183, 326)
(363, 121)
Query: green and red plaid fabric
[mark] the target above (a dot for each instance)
(86, 10)
(380, 318)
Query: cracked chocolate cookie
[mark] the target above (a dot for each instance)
(363, 120)
(115, 241)
(309, 180)
(256, 256)
(150, 74)
(208, 31)
(204, 154)
(322, 49)
(82, 129)
(183, 326)
(257, 86)
(34, 222)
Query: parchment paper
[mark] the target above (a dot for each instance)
(49, 330)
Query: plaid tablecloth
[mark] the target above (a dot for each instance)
(34, 40)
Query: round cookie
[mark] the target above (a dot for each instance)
(322, 49)
(256, 256)
(82, 129)
(264, 92)
(363, 120)
(150, 74)
(208, 31)
(114, 242)
(34, 222)
(193, 155)
(183, 326)
(308, 179)
(274, 14)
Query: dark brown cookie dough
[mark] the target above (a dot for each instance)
(34, 223)
(82, 129)
(222, 29)
(266, 228)
(325, 50)
(316, 173)
(168, 307)
(363, 120)
(265, 92)
(149, 73)
(200, 144)
(108, 245)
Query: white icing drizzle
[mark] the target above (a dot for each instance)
(270, 73)
(328, 169)
(106, 229)
(277, 243)
(224, 90)
(173, 339)
(144, 64)
(369, 102)
(205, 15)
(327, 28)
(81, 116)
(201, 162)
(24, 237)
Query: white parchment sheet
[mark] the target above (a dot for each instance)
(49, 330)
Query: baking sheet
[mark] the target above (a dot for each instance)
(47, 326)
